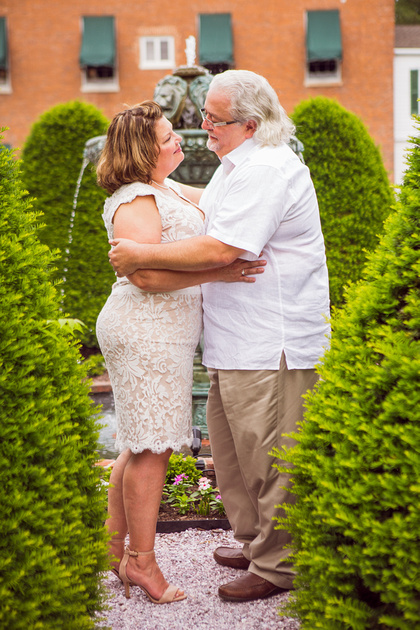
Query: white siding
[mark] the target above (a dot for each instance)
(405, 60)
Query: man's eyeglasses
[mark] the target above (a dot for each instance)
(215, 124)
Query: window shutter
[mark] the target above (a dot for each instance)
(323, 36)
(98, 42)
(215, 41)
(3, 44)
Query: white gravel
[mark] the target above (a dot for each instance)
(186, 559)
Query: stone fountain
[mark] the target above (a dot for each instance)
(181, 95)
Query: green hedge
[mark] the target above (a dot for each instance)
(356, 525)
(353, 190)
(52, 537)
(52, 160)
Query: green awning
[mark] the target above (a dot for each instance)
(98, 42)
(3, 43)
(323, 36)
(215, 40)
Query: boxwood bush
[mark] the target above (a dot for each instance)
(356, 524)
(52, 537)
(52, 161)
(352, 186)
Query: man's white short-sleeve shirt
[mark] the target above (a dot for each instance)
(263, 199)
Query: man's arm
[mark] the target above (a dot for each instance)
(162, 280)
(190, 254)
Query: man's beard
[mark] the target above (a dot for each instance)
(212, 144)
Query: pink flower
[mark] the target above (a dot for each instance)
(204, 483)
(179, 479)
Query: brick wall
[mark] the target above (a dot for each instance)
(269, 38)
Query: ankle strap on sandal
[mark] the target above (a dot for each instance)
(130, 552)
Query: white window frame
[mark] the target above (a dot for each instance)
(6, 83)
(323, 78)
(110, 84)
(156, 62)
(6, 80)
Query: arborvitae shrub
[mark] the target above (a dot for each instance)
(52, 160)
(52, 536)
(353, 190)
(356, 525)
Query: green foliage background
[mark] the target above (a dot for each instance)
(356, 526)
(52, 537)
(407, 12)
(352, 186)
(52, 160)
(179, 463)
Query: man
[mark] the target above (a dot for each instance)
(262, 340)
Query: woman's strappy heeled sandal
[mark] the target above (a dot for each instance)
(169, 596)
(113, 569)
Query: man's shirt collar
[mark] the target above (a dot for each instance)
(237, 156)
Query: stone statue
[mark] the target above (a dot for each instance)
(198, 91)
(189, 119)
(170, 93)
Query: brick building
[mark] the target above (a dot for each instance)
(112, 53)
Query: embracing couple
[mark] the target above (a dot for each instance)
(245, 257)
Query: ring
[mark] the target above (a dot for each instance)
(243, 272)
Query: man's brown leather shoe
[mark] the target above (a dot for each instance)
(231, 557)
(247, 588)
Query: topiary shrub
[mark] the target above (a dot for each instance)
(353, 190)
(52, 536)
(52, 161)
(356, 525)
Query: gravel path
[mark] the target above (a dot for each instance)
(186, 558)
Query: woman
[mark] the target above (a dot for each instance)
(148, 331)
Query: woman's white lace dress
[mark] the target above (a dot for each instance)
(148, 340)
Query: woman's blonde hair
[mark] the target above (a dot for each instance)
(131, 148)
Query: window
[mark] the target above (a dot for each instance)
(323, 47)
(414, 91)
(98, 55)
(215, 42)
(157, 53)
(5, 85)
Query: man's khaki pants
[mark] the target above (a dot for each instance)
(248, 413)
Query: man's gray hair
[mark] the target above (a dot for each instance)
(252, 98)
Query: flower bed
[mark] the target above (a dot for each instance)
(188, 499)
(186, 505)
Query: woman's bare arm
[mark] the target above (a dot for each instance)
(163, 280)
(139, 220)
